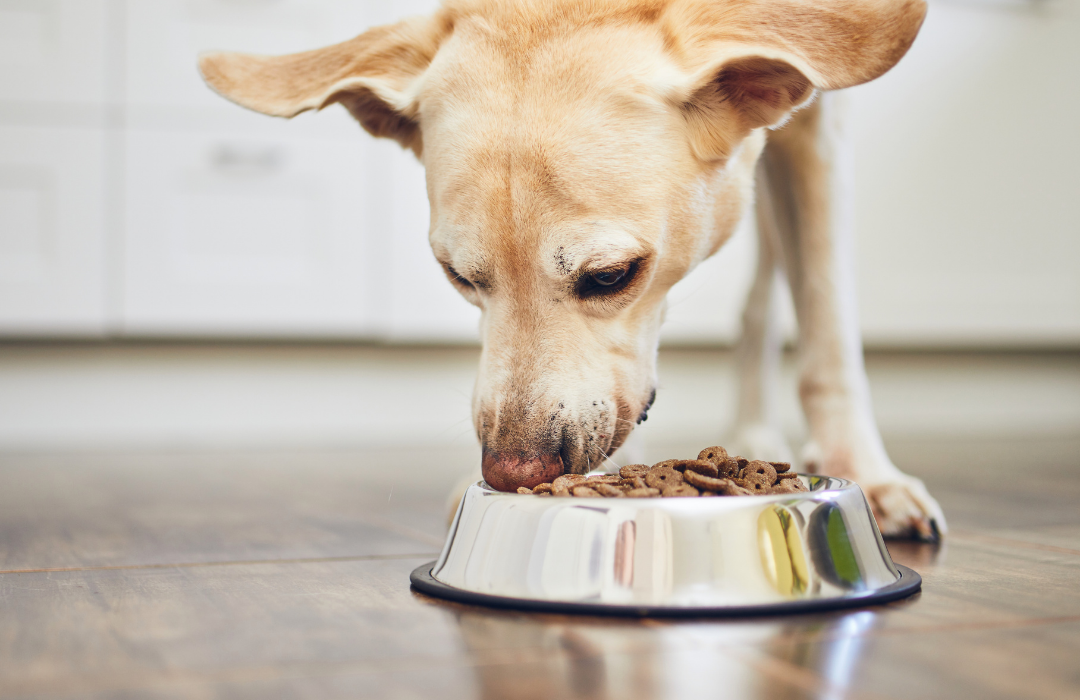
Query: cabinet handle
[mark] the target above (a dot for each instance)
(248, 158)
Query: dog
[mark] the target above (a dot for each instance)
(582, 156)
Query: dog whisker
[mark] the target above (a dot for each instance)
(613, 465)
(455, 426)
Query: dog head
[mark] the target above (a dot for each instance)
(582, 156)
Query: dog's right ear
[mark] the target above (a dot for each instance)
(752, 62)
(374, 76)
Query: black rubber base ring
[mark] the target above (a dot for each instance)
(909, 583)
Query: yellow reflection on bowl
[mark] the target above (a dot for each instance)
(782, 555)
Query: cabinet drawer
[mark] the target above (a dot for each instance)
(53, 50)
(52, 235)
(232, 235)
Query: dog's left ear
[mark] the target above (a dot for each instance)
(372, 76)
(753, 62)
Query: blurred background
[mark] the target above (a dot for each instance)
(178, 273)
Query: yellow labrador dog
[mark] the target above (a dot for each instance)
(582, 156)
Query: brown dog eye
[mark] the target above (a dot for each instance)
(454, 276)
(607, 278)
(606, 282)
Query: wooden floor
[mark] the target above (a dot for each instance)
(286, 576)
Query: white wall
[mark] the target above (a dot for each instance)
(133, 202)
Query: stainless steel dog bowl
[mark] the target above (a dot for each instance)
(815, 550)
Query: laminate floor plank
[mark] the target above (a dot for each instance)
(59, 511)
(1036, 662)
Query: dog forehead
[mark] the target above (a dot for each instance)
(560, 150)
(487, 74)
(498, 49)
(502, 203)
(512, 167)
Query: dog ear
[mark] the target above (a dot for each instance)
(753, 62)
(371, 75)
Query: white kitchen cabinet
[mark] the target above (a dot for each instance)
(52, 231)
(228, 234)
(53, 244)
(53, 51)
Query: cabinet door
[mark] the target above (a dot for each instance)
(52, 242)
(238, 235)
(420, 303)
(166, 36)
(53, 50)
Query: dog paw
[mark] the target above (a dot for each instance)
(760, 441)
(904, 509)
(812, 458)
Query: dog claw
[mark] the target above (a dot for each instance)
(922, 530)
(905, 510)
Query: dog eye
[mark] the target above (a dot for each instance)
(454, 276)
(608, 278)
(605, 282)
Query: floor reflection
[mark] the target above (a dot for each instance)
(923, 557)
(519, 655)
(524, 655)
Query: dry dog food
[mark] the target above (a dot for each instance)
(713, 473)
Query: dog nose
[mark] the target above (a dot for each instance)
(508, 472)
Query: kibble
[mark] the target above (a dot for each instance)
(713, 473)
(759, 473)
(631, 471)
(679, 491)
(715, 454)
(700, 466)
(609, 491)
(662, 476)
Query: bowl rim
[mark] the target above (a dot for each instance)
(907, 585)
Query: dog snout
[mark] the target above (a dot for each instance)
(505, 471)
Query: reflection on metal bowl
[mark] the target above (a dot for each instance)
(668, 556)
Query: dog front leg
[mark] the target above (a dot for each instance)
(757, 427)
(809, 182)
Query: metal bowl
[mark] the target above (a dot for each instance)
(814, 550)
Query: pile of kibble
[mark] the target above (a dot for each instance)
(713, 473)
